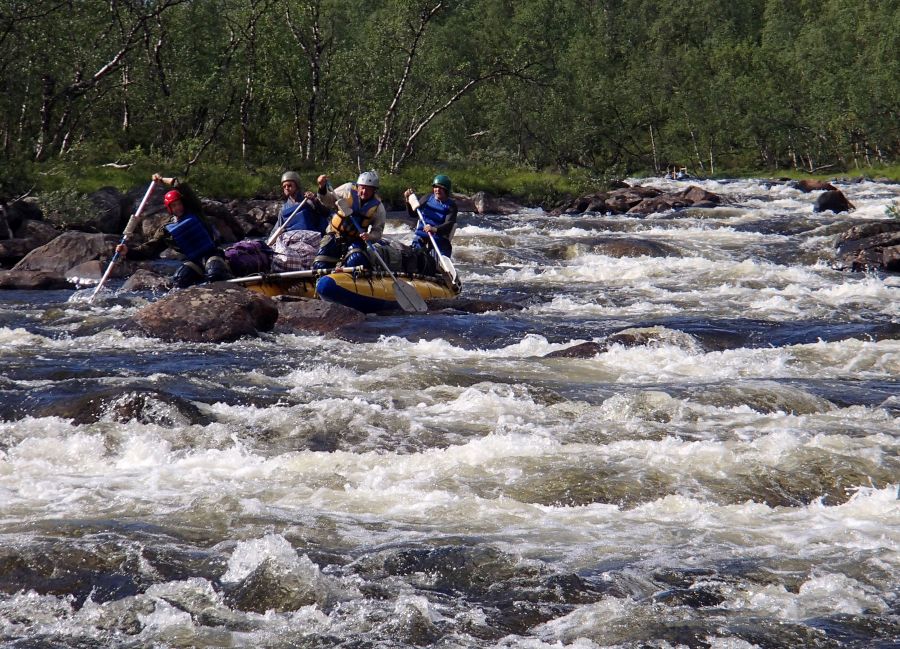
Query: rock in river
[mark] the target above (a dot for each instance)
(219, 312)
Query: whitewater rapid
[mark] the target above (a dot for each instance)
(719, 470)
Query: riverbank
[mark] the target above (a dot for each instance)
(546, 188)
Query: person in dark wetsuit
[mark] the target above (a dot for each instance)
(189, 234)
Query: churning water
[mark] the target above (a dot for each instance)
(729, 481)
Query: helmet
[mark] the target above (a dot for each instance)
(170, 198)
(290, 175)
(442, 181)
(368, 178)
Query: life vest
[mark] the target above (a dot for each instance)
(308, 218)
(364, 213)
(191, 237)
(434, 213)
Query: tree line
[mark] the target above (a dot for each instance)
(604, 85)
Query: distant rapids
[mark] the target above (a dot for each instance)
(719, 470)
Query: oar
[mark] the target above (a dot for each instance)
(443, 260)
(292, 274)
(129, 230)
(407, 296)
(284, 225)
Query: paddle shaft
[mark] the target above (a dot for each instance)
(443, 260)
(293, 274)
(129, 230)
(411, 300)
(287, 222)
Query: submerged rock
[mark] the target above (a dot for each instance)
(147, 280)
(811, 185)
(317, 316)
(91, 404)
(472, 305)
(581, 350)
(219, 312)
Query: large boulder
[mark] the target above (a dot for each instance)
(36, 232)
(639, 200)
(29, 235)
(219, 312)
(833, 201)
(317, 316)
(13, 250)
(868, 246)
(67, 250)
(222, 217)
(464, 203)
(485, 203)
(33, 280)
(661, 203)
(109, 205)
(623, 200)
(5, 230)
(21, 210)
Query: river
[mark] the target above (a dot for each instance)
(439, 481)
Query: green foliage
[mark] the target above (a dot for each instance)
(613, 87)
(16, 179)
(66, 208)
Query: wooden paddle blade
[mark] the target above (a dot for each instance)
(408, 298)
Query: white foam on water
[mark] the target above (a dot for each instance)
(16, 339)
(248, 555)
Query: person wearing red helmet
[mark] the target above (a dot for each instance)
(189, 234)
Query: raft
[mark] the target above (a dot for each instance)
(366, 291)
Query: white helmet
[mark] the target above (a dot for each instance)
(290, 175)
(368, 178)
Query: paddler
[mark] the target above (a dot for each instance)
(300, 226)
(438, 216)
(343, 244)
(188, 233)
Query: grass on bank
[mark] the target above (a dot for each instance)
(222, 181)
(86, 174)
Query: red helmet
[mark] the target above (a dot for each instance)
(170, 198)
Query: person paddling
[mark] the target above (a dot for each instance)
(188, 233)
(297, 233)
(344, 244)
(438, 214)
(311, 216)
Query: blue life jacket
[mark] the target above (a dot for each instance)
(434, 213)
(308, 218)
(191, 237)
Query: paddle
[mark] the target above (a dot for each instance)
(443, 260)
(129, 230)
(406, 295)
(287, 222)
(292, 274)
